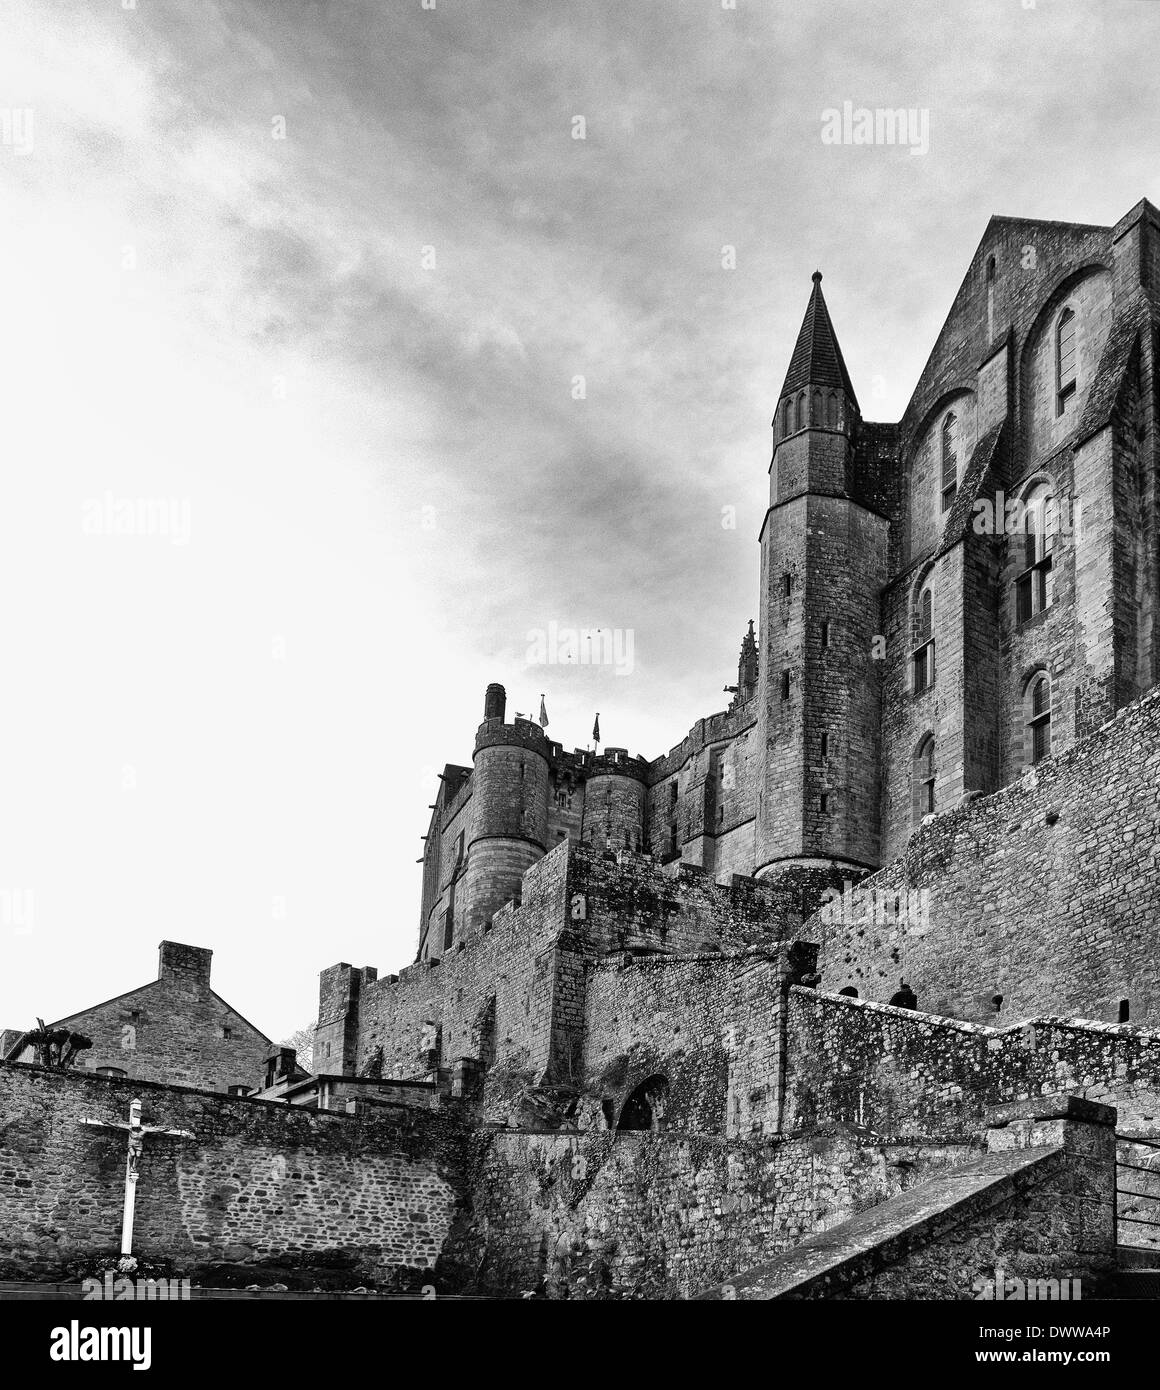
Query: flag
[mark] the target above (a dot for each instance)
(596, 730)
(543, 713)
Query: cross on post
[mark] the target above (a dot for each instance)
(137, 1136)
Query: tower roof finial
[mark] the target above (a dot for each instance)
(816, 277)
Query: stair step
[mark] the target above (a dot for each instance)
(1137, 1257)
(1136, 1283)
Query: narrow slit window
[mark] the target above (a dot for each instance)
(1065, 360)
(922, 658)
(950, 460)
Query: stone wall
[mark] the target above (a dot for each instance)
(889, 1071)
(710, 1025)
(261, 1191)
(1044, 895)
(515, 990)
(659, 1216)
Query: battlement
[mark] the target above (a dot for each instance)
(523, 733)
(714, 728)
(615, 762)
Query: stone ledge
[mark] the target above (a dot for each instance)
(1076, 1108)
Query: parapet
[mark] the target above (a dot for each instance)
(615, 762)
(494, 733)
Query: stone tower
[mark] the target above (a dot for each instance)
(823, 565)
(509, 813)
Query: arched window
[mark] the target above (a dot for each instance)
(1065, 361)
(111, 1071)
(949, 437)
(785, 424)
(922, 657)
(922, 781)
(1033, 546)
(832, 409)
(645, 1108)
(1037, 703)
(801, 412)
(816, 416)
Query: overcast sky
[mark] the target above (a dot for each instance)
(316, 280)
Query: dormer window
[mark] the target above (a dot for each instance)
(949, 444)
(1065, 360)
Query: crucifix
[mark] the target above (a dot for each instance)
(137, 1136)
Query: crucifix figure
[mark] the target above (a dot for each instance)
(137, 1136)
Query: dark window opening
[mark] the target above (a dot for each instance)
(111, 1071)
(997, 1002)
(1039, 717)
(825, 634)
(448, 930)
(645, 1107)
(1124, 1011)
(922, 781)
(785, 685)
(824, 801)
(950, 461)
(825, 745)
(1065, 360)
(787, 584)
(904, 998)
(850, 992)
(923, 656)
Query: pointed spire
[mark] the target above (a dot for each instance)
(817, 359)
(746, 685)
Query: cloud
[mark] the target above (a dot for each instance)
(386, 460)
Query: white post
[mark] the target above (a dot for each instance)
(135, 1144)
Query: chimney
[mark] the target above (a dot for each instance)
(187, 966)
(495, 702)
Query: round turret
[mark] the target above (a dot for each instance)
(614, 801)
(509, 810)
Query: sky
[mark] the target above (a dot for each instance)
(348, 346)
